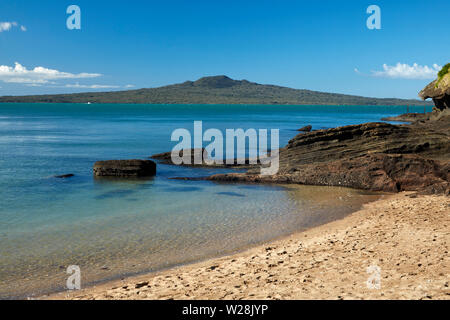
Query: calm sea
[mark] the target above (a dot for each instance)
(113, 228)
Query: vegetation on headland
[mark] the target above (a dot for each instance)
(214, 90)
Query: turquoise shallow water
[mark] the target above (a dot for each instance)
(116, 228)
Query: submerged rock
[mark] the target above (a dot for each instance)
(65, 176)
(124, 168)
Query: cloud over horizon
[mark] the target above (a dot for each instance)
(405, 71)
(38, 75)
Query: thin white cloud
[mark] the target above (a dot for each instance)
(8, 25)
(405, 71)
(34, 84)
(41, 76)
(92, 86)
(38, 75)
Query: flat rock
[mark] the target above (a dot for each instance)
(124, 168)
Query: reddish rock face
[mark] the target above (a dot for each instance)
(124, 168)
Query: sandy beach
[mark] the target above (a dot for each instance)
(404, 236)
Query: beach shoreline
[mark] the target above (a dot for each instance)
(404, 235)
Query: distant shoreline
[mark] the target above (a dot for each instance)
(425, 104)
(215, 90)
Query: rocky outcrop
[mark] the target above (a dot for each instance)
(305, 128)
(439, 90)
(376, 172)
(408, 117)
(124, 168)
(371, 156)
(359, 140)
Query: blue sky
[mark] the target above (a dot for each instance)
(313, 45)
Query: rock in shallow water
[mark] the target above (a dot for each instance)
(65, 176)
(305, 128)
(125, 168)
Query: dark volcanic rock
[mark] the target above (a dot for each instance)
(125, 168)
(371, 156)
(408, 117)
(359, 140)
(305, 128)
(376, 172)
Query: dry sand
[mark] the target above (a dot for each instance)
(405, 236)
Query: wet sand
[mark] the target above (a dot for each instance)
(404, 235)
